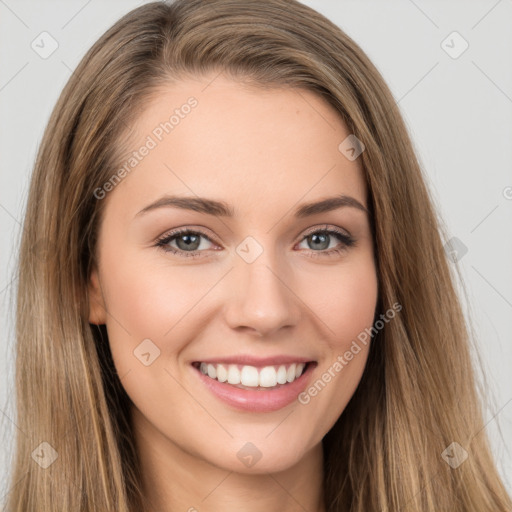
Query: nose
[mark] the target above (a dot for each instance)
(262, 300)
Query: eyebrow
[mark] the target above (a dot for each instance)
(222, 209)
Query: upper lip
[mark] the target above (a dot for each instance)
(248, 360)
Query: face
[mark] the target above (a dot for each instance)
(231, 302)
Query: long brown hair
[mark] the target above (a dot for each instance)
(418, 393)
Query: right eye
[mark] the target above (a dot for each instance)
(188, 242)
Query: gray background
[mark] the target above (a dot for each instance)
(458, 110)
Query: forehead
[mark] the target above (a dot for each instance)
(219, 138)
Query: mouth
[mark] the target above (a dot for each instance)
(255, 387)
(253, 377)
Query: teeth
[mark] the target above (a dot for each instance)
(212, 371)
(233, 374)
(250, 376)
(281, 375)
(290, 374)
(268, 377)
(222, 373)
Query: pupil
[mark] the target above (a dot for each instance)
(325, 242)
(189, 240)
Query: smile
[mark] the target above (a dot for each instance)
(255, 387)
(251, 376)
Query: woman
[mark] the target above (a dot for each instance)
(185, 344)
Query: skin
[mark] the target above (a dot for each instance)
(265, 153)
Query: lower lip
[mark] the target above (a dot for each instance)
(258, 400)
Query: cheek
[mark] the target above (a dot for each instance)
(148, 298)
(344, 299)
(141, 305)
(148, 327)
(345, 302)
(344, 305)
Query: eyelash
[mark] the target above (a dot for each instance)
(346, 240)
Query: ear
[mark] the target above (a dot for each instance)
(97, 310)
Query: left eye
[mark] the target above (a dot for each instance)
(322, 239)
